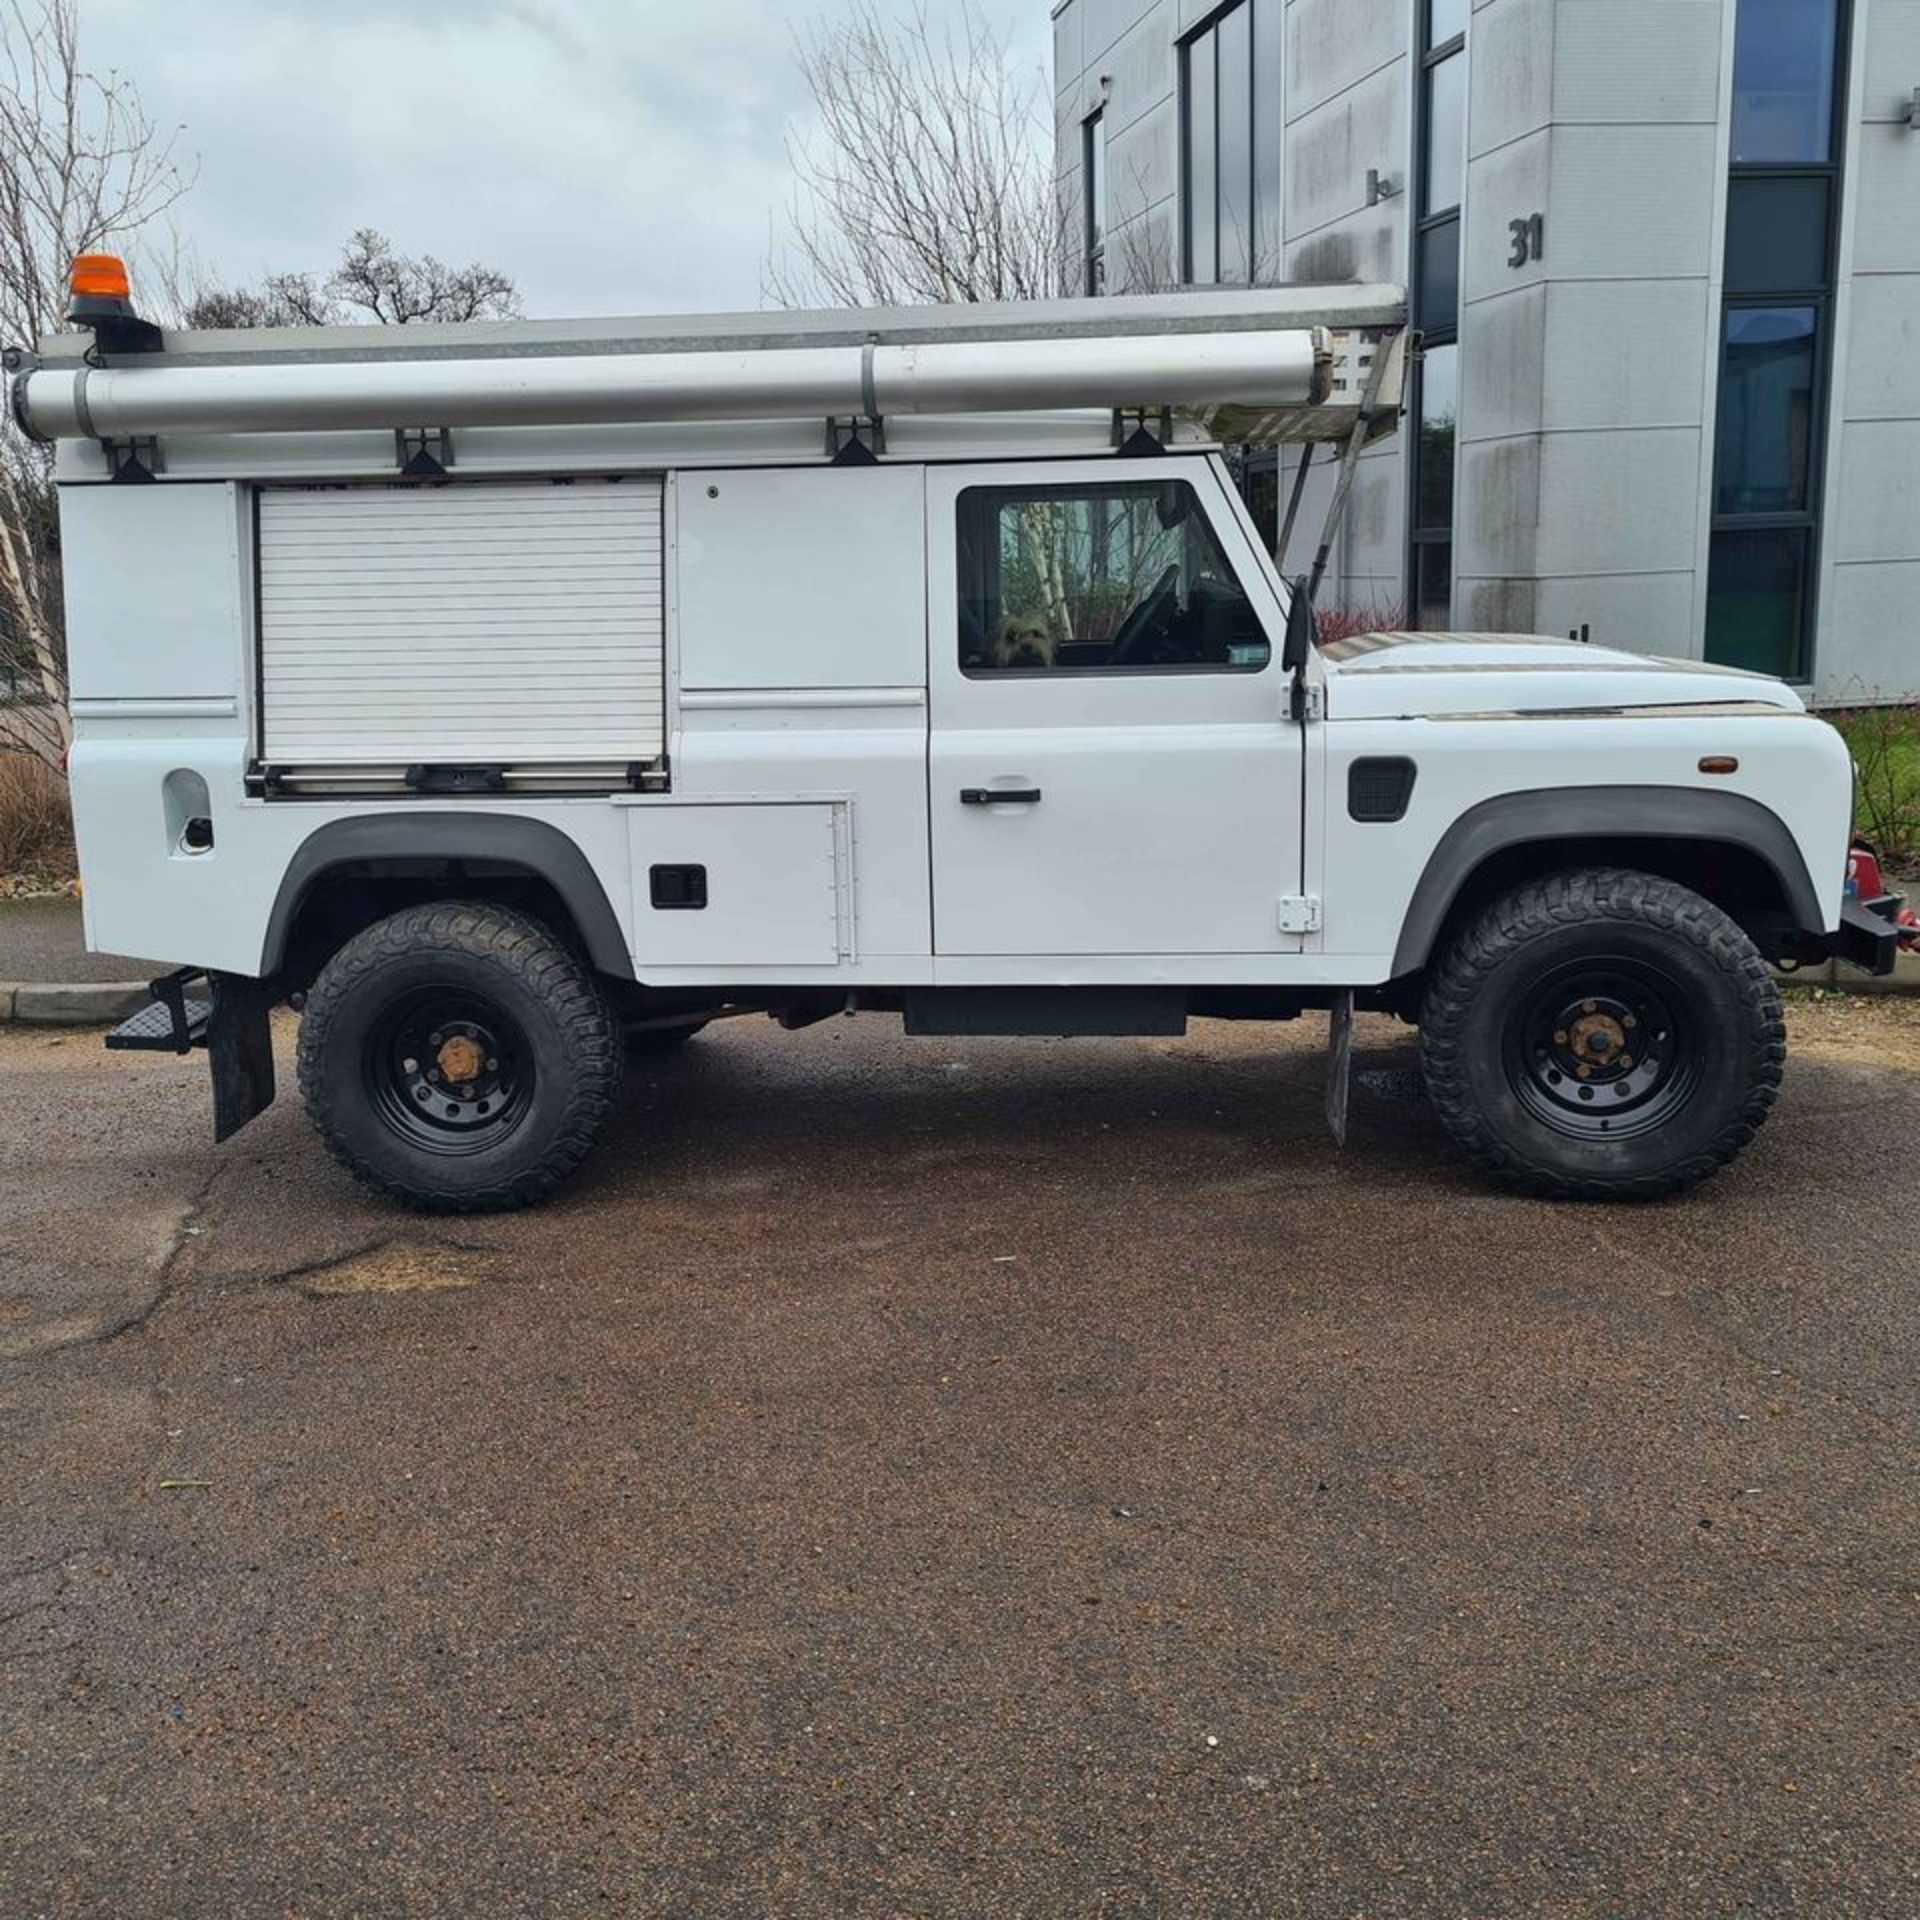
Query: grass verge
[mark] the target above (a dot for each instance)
(36, 825)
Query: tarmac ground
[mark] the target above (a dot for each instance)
(949, 1478)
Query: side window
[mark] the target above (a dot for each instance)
(1125, 578)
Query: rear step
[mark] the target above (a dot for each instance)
(171, 1023)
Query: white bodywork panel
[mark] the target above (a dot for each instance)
(156, 586)
(866, 747)
(803, 577)
(1169, 818)
(1407, 675)
(1789, 762)
(777, 883)
(1179, 809)
(498, 622)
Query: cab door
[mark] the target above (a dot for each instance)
(1112, 766)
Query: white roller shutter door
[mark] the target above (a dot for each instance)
(475, 623)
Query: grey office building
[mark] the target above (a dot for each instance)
(1666, 258)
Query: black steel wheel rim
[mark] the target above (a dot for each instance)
(1605, 1048)
(449, 1070)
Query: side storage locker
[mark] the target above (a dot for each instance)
(513, 624)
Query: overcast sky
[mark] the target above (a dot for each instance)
(613, 156)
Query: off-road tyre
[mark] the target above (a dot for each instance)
(1635, 961)
(481, 988)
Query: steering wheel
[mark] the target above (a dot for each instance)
(1142, 626)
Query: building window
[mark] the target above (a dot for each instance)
(1776, 333)
(1093, 157)
(1442, 168)
(1231, 126)
(1786, 61)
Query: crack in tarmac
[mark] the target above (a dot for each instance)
(162, 1264)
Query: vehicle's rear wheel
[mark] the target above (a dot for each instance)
(457, 1057)
(1602, 1035)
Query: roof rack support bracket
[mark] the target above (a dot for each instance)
(856, 440)
(422, 453)
(1350, 462)
(135, 460)
(1150, 434)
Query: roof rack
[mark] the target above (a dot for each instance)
(1246, 365)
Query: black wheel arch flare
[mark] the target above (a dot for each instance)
(536, 847)
(1583, 821)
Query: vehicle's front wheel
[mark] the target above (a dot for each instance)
(457, 1057)
(1602, 1035)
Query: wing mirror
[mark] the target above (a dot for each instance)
(1302, 630)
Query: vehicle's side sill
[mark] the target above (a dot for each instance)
(1058, 1011)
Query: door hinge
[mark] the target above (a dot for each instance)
(1300, 913)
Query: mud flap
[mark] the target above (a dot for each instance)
(1339, 1065)
(240, 1051)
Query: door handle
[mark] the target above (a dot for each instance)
(999, 796)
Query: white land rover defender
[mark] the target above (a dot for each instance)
(511, 697)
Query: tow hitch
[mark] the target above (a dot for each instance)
(1876, 927)
(228, 1017)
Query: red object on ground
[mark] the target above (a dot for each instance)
(1866, 883)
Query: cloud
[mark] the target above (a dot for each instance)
(612, 157)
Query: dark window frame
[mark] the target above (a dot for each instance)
(1822, 299)
(1447, 332)
(1073, 490)
(1093, 175)
(1201, 30)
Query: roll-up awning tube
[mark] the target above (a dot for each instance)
(1252, 368)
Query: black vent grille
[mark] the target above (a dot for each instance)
(1379, 789)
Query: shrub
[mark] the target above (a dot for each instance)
(36, 823)
(1885, 743)
(1344, 623)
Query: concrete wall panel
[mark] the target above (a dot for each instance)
(1637, 61)
(1067, 56)
(1496, 606)
(1504, 366)
(1643, 612)
(1497, 508)
(1513, 183)
(1883, 358)
(1887, 200)
(1332, 45)
(1102, 22)
(1619, 502)
(1510, 73)
(1877, 516)
(1143, 162)
(1890, 57)
(1368, 245)
(1329, 151)
(1629, 202)
(1143, 256)
(1871, 643)
(1626, 353)
(1142, 68)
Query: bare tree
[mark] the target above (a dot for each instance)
(395, 288)
(930, 177)
(82, 169)
(81, 164)
(372, 283)
(280, 300)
